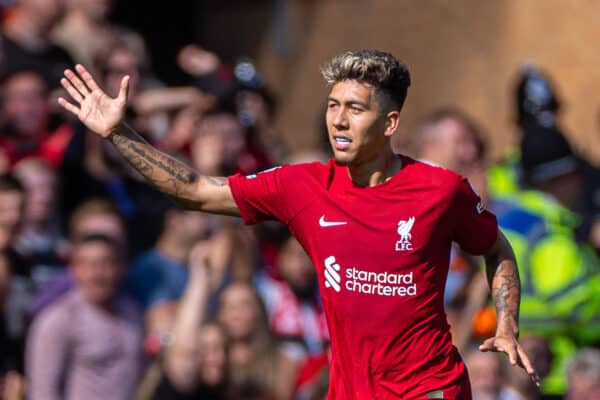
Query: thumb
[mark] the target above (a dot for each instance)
(124, 89)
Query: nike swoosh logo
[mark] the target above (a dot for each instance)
(326, 224)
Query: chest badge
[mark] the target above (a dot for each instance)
(404, 228)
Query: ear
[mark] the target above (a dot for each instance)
(392, 121)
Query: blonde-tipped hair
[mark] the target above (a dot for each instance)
(389, 77)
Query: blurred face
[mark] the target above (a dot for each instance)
(121, 62)
(295, 267)
(41, 194)
(253, 109)
(46, 12)
(188, 226)
(485, 371)
(239, 311)
(213, 357)
(539, 353)
(453, 148)
(11, 214)
(357, 132)
(25, 104)
(97, 270)
(218, 142)
(103, 224)
(583, 386)
(94, 9)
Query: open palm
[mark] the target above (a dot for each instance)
(99, 112)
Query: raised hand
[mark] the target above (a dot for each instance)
(95, 109)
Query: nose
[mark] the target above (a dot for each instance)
(339, 120)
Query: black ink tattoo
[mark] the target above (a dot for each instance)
(167, 174)
(507, 290)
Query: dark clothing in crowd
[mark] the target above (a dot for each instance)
(50, 61)
(142, 206)
(167, 391)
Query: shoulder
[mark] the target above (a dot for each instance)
(315, 169)
(433, 174)
(57, 316)
(151, 256)
(300, 173)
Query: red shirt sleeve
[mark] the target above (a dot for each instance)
(475, 228)
(276, 193)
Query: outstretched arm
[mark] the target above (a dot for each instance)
(182, 359)
(503, 278)
(105, 116)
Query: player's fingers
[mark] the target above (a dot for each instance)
(68, 106)
(87, 77)
(487, 345)
(123, 89)
(77, 82)
(74, 93)
(526, 363)
(513, 356)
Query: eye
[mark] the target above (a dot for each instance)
(356, 110)
(332, 105)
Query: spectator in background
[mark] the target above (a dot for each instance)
(450, 139)
(25, 40)
(485, 373)
(92, 217)
(98, 216)
(244, 87)
(583, 374)
(161, 273)
(516, 385)
(41, 239)
(15, 275)
(87, 345)
(195, 361)
(88, 35)
(218, 146)
(256, 107)
(563, 305)
(27, 130)
(296, 314)
(259, 368)
(94, 169)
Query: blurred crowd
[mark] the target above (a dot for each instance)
(109, 291)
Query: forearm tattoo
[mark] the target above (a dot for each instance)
(167, 174)
(506, 289)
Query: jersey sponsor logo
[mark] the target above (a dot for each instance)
(404, 228)
(366, 282)
(327, 224)
(332, 274)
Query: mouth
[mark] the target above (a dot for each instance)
(341, 142)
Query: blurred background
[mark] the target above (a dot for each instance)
(107, 290)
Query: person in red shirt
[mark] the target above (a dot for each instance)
(377, 226)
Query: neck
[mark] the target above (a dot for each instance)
(177, 250)
(376, 171)
(26, 30)
(107, 305)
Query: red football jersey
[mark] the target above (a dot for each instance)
(381, 255)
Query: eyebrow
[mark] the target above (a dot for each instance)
(349, 102)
